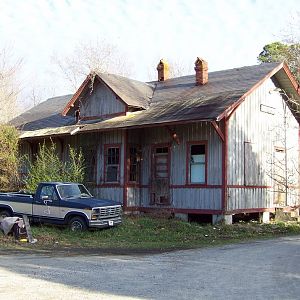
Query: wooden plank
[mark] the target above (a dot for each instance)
(31, 240)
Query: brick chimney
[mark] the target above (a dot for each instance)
(201, 71)
(163, 70)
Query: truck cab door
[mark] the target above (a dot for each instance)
(46, 204)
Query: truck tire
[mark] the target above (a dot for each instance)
(5, 213)
(77, 224)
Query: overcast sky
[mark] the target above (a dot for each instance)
(227, 33)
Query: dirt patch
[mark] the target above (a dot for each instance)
(62, 251)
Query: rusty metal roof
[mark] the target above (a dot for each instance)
(173, 100)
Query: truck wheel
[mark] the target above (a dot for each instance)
(5, 213)
(77, 224)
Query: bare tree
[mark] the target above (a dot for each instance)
(283, 161)
(9, 85)
(98, 56)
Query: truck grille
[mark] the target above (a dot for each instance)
(110, 211)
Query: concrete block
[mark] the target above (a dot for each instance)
(183, 217)
(226, 219)
(265, 218)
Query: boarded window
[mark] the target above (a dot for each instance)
(197, 163)
(134, 164)
(112, 164)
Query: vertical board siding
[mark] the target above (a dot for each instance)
(253, 135)
(251, 198)
(202, 131)
(197, 198)
(113, 193)
(101, 102)
(133, 196)
(185, 197)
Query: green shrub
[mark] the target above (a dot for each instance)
(9, 158)
(49, 167)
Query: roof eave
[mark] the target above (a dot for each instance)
(234, 106)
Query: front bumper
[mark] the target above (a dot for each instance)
(105, 222)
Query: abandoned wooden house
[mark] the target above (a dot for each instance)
(210, 144)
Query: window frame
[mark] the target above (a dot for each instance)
(93, 149)
(138, 163)
(153, 165)
(189, 145)
(105, 158)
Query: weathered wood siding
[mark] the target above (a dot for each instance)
(101, 102)
(255, 129)
(99, 140)
(181, 194)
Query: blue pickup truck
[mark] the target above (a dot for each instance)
(62, 203)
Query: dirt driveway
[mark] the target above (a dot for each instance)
(256, 270)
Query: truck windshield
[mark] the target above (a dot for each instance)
(68, 191)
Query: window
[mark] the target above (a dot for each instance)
(90, 155)
(134, 164)
(49, 191)
(197, 163)
(112, 164)
(161, 168)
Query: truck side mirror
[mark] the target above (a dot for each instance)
(45, 197)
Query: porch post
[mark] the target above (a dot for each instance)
(125, 171)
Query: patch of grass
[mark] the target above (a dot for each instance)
(152, 233)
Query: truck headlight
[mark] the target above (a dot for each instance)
(95, 214)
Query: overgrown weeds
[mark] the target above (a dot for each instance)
(155, 233)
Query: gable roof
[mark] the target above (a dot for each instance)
(132, 92)
(179, 99)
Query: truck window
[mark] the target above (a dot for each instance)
(49, 191)
(68, 191)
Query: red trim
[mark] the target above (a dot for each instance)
(188, 157)
(218, 130)
(125, 171)
(76, 95)
(233, 107)
(137, 185)
(103, 116)
(291, 78)
(249, 210)
(178, 186)
(175, 210)
(195, 186)
(225, 165)
(249, 186)
(109, 185)
(106, 146)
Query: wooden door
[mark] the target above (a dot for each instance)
(160, 192)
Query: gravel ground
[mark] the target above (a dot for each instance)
(257, 270)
